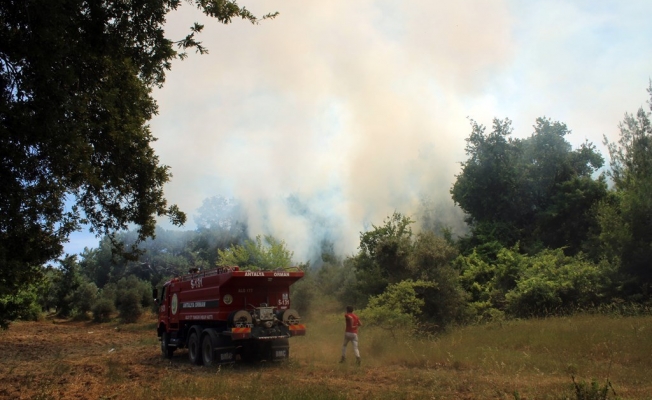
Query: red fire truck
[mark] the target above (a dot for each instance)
(225, 314)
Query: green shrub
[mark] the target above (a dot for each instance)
(302, 293)
(543, 284)
(445, 301)
(483, 311)
(553, 282)
(264, 253)
(489, 282)
(23, 306)
(109, 292)
(103, 309)
(131, 283)
(397, 307)
(593, 390)
(130, 308)
(65, 282)
(535, 296)
(84, 297)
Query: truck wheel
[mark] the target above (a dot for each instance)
(165, 345)
(208, 345)
(194, 348)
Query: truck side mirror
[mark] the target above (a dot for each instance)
(155, 293)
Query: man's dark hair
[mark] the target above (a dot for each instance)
(349, 309)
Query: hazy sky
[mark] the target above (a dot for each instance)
(360, 107)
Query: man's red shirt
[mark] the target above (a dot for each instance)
(352, 323)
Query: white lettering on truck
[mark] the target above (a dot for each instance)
(199, 317)
(196, 304)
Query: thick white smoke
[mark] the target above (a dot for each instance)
(359, 108)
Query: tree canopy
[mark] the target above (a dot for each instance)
(627, 218)
(536, 190)
(75, 98)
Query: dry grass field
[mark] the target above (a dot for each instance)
(532, 359)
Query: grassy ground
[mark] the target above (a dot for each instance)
(532, 359)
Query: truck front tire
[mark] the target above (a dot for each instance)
(165, 345)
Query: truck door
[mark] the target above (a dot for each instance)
(164, 306)
(173, 312)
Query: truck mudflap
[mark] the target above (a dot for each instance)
(280, 350)
(225, 355)
(269, 350)
(297, 330)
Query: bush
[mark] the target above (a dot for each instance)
(486, 282)
(23, 306)
(397, 307)
(143, 290)
(483, 311)
(553, 283)
(535, 296)
(445, 301)
(65, 282)
(263, 253)
(130, 308)
(543, 284)
(302, 293)
(109, 292)
(103, 309)
(84, 298)
(593, 390)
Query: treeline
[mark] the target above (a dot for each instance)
(102, 282)
(550, 231)
(117, 277)
(548, 234)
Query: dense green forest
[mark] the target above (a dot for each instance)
(550, 231)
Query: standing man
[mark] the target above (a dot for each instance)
(351, 334)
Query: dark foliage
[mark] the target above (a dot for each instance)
(536, 191)
(75, 98)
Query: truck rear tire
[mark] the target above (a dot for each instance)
(208, 345)
(165, 345)
(194, 348)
